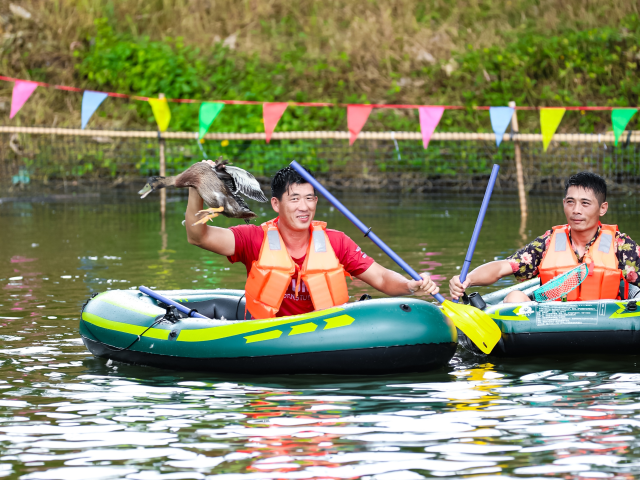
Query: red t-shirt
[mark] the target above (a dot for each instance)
(249, 240)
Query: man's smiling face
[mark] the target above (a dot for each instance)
(582, 209)
(297, 207)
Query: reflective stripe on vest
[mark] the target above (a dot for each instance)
(271, 274)
(603, 281)
(561, 243)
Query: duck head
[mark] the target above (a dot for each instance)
(153, 184)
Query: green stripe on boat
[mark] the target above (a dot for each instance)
(216, 333)
(158, 333)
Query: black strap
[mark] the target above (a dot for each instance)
(116, 349)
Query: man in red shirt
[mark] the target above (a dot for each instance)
(295, 201)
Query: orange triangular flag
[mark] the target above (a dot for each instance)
(271, 113)
(357, 116)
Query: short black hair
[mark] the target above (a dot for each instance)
(283, 179)
(588, 181)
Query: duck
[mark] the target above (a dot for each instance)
(219, 184)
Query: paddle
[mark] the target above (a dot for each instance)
(168, 301)
(478, 227)
(476, 324)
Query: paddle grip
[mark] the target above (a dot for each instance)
(476, 231)
(168, 301)
(361, 226)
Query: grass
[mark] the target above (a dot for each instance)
(544, 52)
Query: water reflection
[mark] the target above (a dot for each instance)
(66, 415)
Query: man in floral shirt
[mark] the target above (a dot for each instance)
(584, 204)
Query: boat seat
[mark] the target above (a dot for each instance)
(229, 307)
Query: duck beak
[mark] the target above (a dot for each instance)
(145, 191)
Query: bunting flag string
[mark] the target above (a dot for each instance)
(620, 118)
(271, 113)
(500, 120)
(161, 112)
(429, 120)
(22, 90)
(90, 103)
(357, 116)
(208, 113)
(550, 119)
(301, 104)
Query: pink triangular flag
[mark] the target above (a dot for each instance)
(22, 90)
(429, 120)
(357, 116)
(271, 113)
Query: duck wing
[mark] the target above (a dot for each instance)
(246, 183)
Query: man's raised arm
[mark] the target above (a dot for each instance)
(215, 239)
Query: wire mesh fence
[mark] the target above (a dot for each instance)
(37, 157)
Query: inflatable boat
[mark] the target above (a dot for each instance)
(532, 328)
(365, 337)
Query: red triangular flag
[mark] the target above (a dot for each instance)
(271, 113)
(357, 116)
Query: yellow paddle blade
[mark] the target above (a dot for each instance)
(474, 323)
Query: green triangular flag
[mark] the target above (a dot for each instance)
(208, 113)
(620, 118)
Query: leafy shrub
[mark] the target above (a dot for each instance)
(590, 67)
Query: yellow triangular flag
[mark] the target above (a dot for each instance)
(550, 119)
(161, 112)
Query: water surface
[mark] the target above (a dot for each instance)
(67, 415)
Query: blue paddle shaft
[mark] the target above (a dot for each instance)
(478, 227)
(168, 301)
(361, 226)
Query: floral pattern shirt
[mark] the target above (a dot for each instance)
(525, 262)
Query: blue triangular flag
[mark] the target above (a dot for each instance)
(500, 119)
(90, 103)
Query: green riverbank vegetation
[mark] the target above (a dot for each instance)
(461, 52)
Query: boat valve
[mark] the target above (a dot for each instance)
(632, 306)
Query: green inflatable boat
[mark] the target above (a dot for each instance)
(532, 328)
(365, 337)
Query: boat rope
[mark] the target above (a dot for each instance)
(116, 349)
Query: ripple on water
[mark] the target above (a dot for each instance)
(65, 415)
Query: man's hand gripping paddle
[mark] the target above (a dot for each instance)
(475, 324)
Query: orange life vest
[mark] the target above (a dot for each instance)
(271, 274)
(603, 281)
